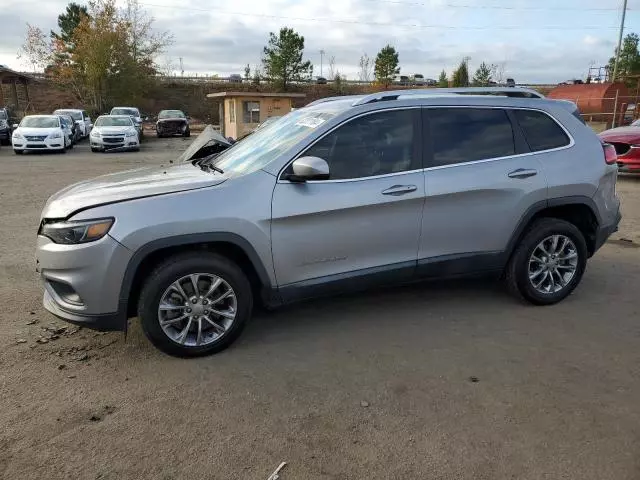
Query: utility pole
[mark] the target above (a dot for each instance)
(615, 65)
(181, 68)
(322, 52)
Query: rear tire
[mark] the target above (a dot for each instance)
(544, 288)
(178, 267)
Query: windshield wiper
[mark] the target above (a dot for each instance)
(207, 167)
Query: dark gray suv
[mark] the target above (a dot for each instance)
(343, 194)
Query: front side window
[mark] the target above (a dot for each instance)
(375, 144)
(251, 112)
(541, 131)
(461, 135)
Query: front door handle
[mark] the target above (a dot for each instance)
(523, 173)
(399, 190)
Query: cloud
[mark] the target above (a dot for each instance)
(428, 34)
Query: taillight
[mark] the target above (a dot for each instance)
(610, 156)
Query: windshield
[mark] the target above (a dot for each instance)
(260, 148)
(40, 122)
(171, 114)
(124, 111)
(113, 122)
(71, 113)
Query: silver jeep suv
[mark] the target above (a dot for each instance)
(345, 193)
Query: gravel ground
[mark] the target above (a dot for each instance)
(446, 380)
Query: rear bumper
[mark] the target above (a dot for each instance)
(605, 231)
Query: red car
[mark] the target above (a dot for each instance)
(626, 141)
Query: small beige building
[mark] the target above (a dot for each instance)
(242, 112)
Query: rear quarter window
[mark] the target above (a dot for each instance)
(541, 131)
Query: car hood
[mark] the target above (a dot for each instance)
(621, 134)
(171, 119)
(36, 131)
(129, 185)
(203, 144)
(113, 130)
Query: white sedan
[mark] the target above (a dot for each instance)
(40, 132)
(114, 132)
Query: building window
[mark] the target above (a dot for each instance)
(251, 112)
(232, 111)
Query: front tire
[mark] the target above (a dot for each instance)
(18, 152)
(195, 304)
(549, 262)
(187, 133)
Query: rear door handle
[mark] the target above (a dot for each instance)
(399, 190)
(523, 173)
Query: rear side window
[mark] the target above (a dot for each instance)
(541, 131)
(460, 135)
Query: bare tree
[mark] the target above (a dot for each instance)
(366, 68)
(497, 72)
(167, 67)
(36, 48)
(332, 68)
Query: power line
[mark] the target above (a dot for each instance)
(383, 24)
(497, 7)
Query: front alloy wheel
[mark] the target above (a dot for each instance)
(195, 304)
(197, 309)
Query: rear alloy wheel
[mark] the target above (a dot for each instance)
(195, 304)
(549, 262)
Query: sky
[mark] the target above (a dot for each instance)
(536, 41)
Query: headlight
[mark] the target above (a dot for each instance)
(95, 133)
(131, 134)
(17, 136)
(3, 123)
(56, 135)
(70, 233)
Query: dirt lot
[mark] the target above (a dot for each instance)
(447, 380)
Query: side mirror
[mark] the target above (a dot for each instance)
(14, 126)
(146, 119)
(308, 168)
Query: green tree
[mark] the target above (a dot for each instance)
(629, 63)
(461, 75)
(443, 81)
(282, 58)
(482, 77)
(68, 22)
(386, 65)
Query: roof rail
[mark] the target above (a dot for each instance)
(331, 99)
(397, 94)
